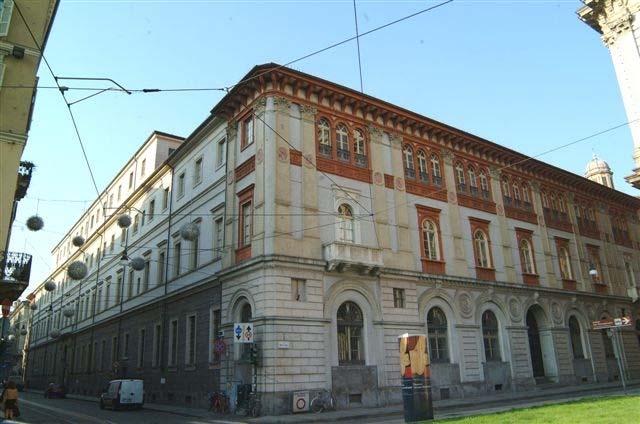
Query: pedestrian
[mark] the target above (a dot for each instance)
(10, 400)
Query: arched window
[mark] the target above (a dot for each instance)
(483, 259)
(324, 137)
(554, 203)
(437, 335)
(490, 336)
(526, 256)
(505, 189)
(350, 324)
(576, 338)
(460, 176)
(422, 166)
(409, 169)
(526, 197)
(430, 239)
(342, 142)
(484, 185)
(545, 199)
(245, 316)
(359, 149)
(473, 182)
(435, 170)
(345, 224)
(565, 264)
(516, 194)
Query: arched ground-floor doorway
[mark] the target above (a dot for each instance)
(541, 347)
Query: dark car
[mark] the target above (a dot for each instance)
(55, 391)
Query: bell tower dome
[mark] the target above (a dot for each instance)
(599, 171)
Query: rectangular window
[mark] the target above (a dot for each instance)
(6, 7)
(118, 292)
(152, 209)
(162, 258)
(141, 342)
(107, 295)
(157, 345)
(193, 262)
(113, 242)
(131, 179)
(110, 200)
(398, 298)
(99, 300)
(220, 154)
(218, 237)
(103, 354)
(142, 167)
(176, 258)
(298, 289)
(214, 330)
(119, 192)
(247, 133)
(136, 223)
(246, 217)
(190, 354)
(114, 349)
(197, 172)
(130, 284)
(173, 343)
(181, 185)
(165, 198)
(145, 275)
(125, 351)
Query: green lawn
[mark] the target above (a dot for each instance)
(614, 409)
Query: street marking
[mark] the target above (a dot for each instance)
(66, 412)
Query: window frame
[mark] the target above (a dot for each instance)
(438, 335)
(247, 137)
(491, 337)
(352, 329)
(341, 228)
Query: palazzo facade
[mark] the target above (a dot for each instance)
(334, 222)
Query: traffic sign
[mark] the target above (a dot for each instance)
(243, 332)
(611, 323)
(219, 346)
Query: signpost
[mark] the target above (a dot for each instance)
(613, 326)
(243, 332)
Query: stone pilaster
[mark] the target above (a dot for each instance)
(381, 211)
(231, 223)
(260, 134)
(505, 243)
(549, 278)
(400, 196)
(458, 265)
(311, 248)
(582, 281)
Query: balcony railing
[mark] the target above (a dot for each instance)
(410, 173)
(24, 178)
(424, 177)
(15, 267)
(325, 149)
(343, 155)
(340, 256)
(361, 160)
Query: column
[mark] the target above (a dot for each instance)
(231, 204)
(458, 265)
(550, 277)
(505, 245)
(381, 211)
(311, 236)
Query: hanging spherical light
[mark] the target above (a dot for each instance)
(50, 286)
(137, 263)
(35, 223)
(68, 312)
(54, 334)
(190, 231)
(124, 221)
(77, 241)
(34, 306)
(11, 337)
(23, 332)
(77, 270)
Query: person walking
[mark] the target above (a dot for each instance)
(10, 400)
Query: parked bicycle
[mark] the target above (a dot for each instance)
(324, 401)
(219, 402)
(253, 405)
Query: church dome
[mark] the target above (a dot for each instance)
(597, 166)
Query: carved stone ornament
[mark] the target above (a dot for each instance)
(465, 305)
(399, 183)
(308, 111)
(500, 210)
(378, 178)
(259, 156)
(374, 131)
(556, 312)
(515, 309)
(447, 156)
(395, 139)
(230, 175)
(259, 106)
(281, 103)
(283, 154)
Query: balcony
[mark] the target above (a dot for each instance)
(24, 178)
(557, 220)
(341, 256)
(15, 271)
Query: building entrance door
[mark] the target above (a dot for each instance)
(535, 347)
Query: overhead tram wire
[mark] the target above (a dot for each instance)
(229, 87)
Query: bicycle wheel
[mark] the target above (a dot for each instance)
(317, 404)
(331, 402)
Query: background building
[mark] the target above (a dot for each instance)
(332, 222)
(619, 23)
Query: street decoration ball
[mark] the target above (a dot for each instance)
(77, 241)
(77, 270)
(68, 312)
(23, 332)
(124, 221)
(54, 334)
(50, 286)
(190, 231)
(137, 263)
(34, 306)
(35, 223)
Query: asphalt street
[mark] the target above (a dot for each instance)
(36, 409)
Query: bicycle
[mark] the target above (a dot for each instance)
(253, 405)
(324, 401)
(219, 402)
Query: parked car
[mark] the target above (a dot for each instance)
(121, 394)
(55, 390)
(18, 380)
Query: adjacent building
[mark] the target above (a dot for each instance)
(19, 60)
(619, 23)
(332, 222)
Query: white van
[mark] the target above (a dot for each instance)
(122, 394)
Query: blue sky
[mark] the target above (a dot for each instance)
(525, 74)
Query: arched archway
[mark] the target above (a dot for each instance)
(541, 347)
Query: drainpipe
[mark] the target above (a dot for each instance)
(163, 358)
